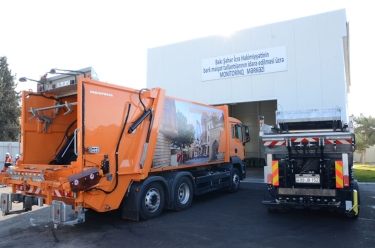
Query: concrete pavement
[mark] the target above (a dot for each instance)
(254, 175)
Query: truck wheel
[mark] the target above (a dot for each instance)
(235, 181)
(152, 201)
(183, 194)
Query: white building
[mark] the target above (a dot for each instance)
(291, 65)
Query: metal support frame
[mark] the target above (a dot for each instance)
(59, 215)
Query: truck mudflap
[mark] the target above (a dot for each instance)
(354, 210)
(60, 216)
(28, 201)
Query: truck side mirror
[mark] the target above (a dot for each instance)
(247, 134)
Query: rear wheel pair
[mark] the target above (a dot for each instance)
(152, 201)
(183, 194)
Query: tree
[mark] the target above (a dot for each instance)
(9, 104)
(185, 132)
(364, 130)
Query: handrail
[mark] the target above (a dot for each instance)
(67, 105)
(75, 141)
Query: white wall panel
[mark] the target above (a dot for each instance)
(241, 90)
(154, 69)
(240, 41)
(314, 78)
(285, 83)
(260, 37)
(307, 54)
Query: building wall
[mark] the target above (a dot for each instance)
(370, 155)
(248, 113)
(315, 75)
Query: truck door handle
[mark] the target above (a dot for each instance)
(75, 141)
(235, 150)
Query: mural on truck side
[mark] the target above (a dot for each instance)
(189, 134)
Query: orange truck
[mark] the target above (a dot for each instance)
(87, 144)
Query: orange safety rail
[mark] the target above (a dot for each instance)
(339, 175)
(62, 193)
(275, 173)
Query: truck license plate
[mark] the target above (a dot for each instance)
(307, 178)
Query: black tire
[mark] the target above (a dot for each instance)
(235, 181)
(183, 194)
(152, 201)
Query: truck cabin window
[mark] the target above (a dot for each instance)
(237, 132)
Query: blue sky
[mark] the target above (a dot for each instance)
(113, 36)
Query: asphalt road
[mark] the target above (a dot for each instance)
(216, 219)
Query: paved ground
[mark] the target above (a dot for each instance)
(255, 174)
(216, 219)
